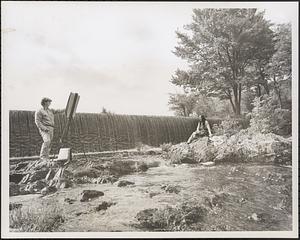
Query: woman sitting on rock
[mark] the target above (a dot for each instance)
(203, 129)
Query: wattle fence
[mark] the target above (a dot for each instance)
(91, 132)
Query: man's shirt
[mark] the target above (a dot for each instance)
(44, 118)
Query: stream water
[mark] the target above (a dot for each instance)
(246, 189)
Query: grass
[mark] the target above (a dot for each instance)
(179, 218)
(43, 219)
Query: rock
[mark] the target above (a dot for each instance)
(14, 189)
(21, 166)
(181, 153)
(48, 190)
(243, 146)
(50, 175)
(123, 183)
(204, 149)
(248, 147)
(23, 189)
(38, 165)
(69, 200)
(60, 183)
(153, 151)
(88, 195)
(145, 216)
(35, 187)
(13, 206)
(16, 177)
(104, 205)
(141, 167)
(89, 172)
(65, 184)
(120, 167)
(34, 176)
(208, 164)
(105, 179)
(152, 194)
(171, 189)
(254, 217)
(25, 178)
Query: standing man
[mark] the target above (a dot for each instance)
(44, 120)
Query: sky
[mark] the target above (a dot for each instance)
(116, 55)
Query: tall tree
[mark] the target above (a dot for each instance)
(182, 104)
(220, 45)
(280, 66)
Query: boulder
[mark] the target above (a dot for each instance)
(120, 167)
(243, 146)
(141, 167)
(89, 172)
(13, 206)
(16, 177)
(88, 195)
(205, 149)
(69, 200)
(153, 151)
(21, 166)
(61, 183)
(246, 146)
(171, 189)
(23, 189)
(181, 153)
(34, 176)
(35, 187)
(104, 206)
(50, 175)
(104, 179)
(48, 190)
(14, 189)
(123, 183)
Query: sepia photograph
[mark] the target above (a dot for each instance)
(149, 119)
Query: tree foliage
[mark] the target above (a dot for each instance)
(182, 104)
(224, 48)
(268, 117)
(280, 65)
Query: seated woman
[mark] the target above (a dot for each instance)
(203, 129)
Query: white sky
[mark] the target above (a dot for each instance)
(115, 55)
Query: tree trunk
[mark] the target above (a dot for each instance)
(232, 104)
(239, 99)
(258, 90)
(266, 87)
(264, 82)
(277, 90)
(237, 102)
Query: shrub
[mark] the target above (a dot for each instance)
(139, 146)
(268, 117)
(230, 126)
(44, 219)
(177, 218)
(165, 147)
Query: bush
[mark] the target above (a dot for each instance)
(44, 219)
(165, 147)
(268, 117)
(181, 217)
(230, 126)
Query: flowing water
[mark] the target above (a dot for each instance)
(245, 190)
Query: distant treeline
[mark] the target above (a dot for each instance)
(92, 132)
